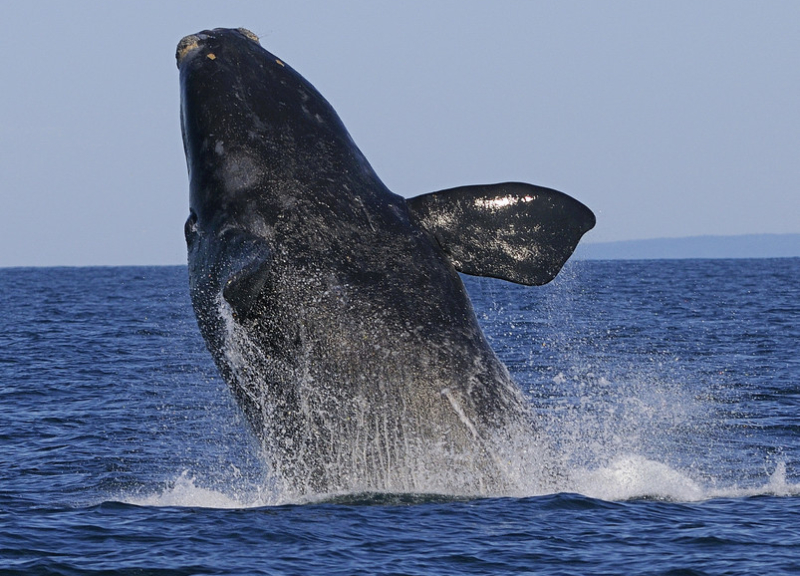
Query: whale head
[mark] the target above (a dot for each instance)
(254, 130)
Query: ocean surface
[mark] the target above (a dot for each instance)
(670, 389)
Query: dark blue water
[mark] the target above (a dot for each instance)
(671, 390)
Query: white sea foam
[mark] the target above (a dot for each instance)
(629, 477)
(776, 485)
(611, 437)
(632, 476)
(185, 492)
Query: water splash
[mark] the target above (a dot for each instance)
(776, 485)
(634, 477)
(612, 437)
(630, 477)
(400, 425)
(187, 491)
(609, 428)
(636, 437)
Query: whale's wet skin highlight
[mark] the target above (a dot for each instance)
(333, 308)
(669, 390)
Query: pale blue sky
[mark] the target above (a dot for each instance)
(668, 118)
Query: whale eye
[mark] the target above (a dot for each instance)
(190, 228)
(245, 32)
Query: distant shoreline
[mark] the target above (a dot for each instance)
(701, 247)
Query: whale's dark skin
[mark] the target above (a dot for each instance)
(332, 307)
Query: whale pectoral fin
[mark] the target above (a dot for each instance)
(514, 231)
(244, 287)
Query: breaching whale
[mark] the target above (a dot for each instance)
(332, 307)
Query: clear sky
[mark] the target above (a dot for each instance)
(668, 118)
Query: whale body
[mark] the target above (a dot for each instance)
(333, 308)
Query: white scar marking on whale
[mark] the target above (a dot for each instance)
(239, 172)
(461, 415)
